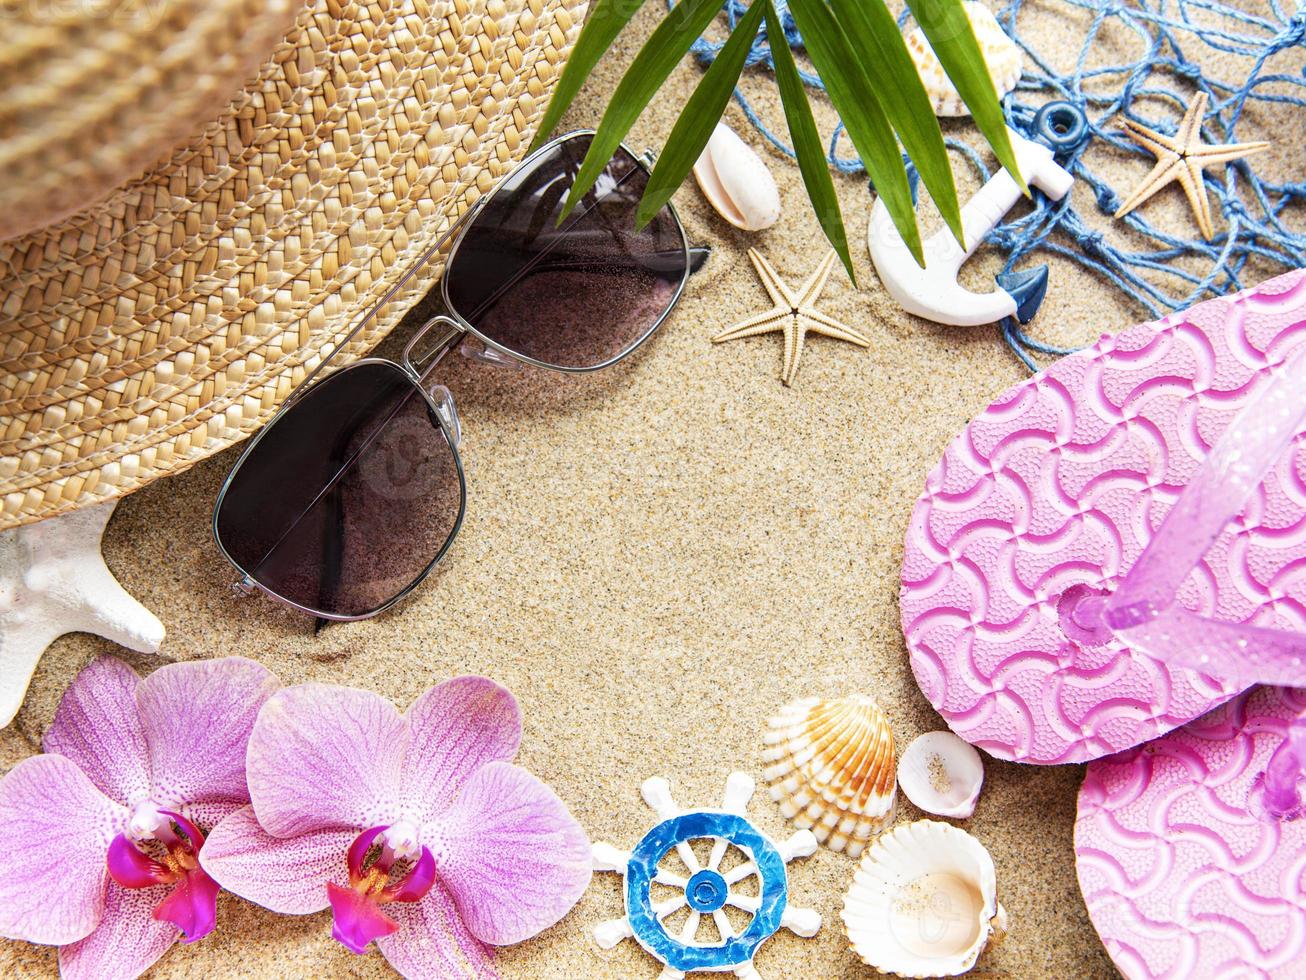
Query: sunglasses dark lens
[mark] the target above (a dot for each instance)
(348, 498)
(575, 295)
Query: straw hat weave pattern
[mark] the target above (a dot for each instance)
(171, 319)
(94, 91)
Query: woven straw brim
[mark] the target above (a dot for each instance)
(97, 90)
(171, 320)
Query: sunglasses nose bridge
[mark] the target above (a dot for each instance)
(443, 331)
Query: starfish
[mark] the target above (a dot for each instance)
(1181, 157)
(53, 580)
(793, 314)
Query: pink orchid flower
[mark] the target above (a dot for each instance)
(100, 838)
(414, 829)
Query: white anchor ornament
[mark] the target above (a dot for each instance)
(933, 292)
(708, 889)
(53, 580)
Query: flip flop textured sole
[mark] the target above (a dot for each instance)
(1060, 484)
(1182, 876)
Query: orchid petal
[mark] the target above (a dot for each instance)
(511, 853)
(55, 828)
(323, 757)
(99, 727)
(130, 867)
(210, 813)
(454, 729)
(126, 943)
(192, 907)
(356, 919)
(285, 875)
(197, 717)
(432, 942)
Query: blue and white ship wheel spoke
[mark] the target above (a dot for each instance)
(705, 890)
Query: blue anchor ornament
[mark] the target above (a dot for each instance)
(708, 890)
(933, 292)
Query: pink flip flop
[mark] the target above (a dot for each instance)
(1118, 544)
(1191, 852)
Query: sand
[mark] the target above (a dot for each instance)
(654, 559)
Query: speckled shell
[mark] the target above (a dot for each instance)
(942, 774)
(924, 902)
(1001, 54)
(830, 763)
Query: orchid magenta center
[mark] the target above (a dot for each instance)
(386, 864)
(100, 837)
(415, 829)
(192, 905)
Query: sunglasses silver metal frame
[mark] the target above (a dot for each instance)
(446, 416)
(444, 410)
(643, 162)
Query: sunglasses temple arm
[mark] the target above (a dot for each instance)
(698, 256)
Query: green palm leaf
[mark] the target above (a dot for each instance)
(606, 20)
(807, 141)
(863, 62)
(851, 92)
(897, 86)
(948, 30)
(655, 61)
(699, 116)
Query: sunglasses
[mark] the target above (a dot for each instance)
(350, 496)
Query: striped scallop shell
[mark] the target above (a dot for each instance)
(1003, 57)
(830, 763)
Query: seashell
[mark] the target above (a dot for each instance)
(1001, 54)
(942, 774)
(737, 182)
(924, 902)
(830, 764)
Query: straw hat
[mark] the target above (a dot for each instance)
(170, 319)
(97, 90)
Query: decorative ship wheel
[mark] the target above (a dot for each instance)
(755, 886)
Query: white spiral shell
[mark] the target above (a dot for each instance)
(737, 182)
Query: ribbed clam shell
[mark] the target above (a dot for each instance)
(942, 774)
(830, 764)
(1001, 54)
(924, 902)
(737, 182)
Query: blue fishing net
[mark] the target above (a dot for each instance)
(1242, 61)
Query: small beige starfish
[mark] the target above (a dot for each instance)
(794, 314)
(1181, 157)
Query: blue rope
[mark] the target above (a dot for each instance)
(1253, 208)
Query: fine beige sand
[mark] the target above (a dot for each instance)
(657, 557)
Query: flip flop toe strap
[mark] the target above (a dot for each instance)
(1281, 797)
(1143, 611)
